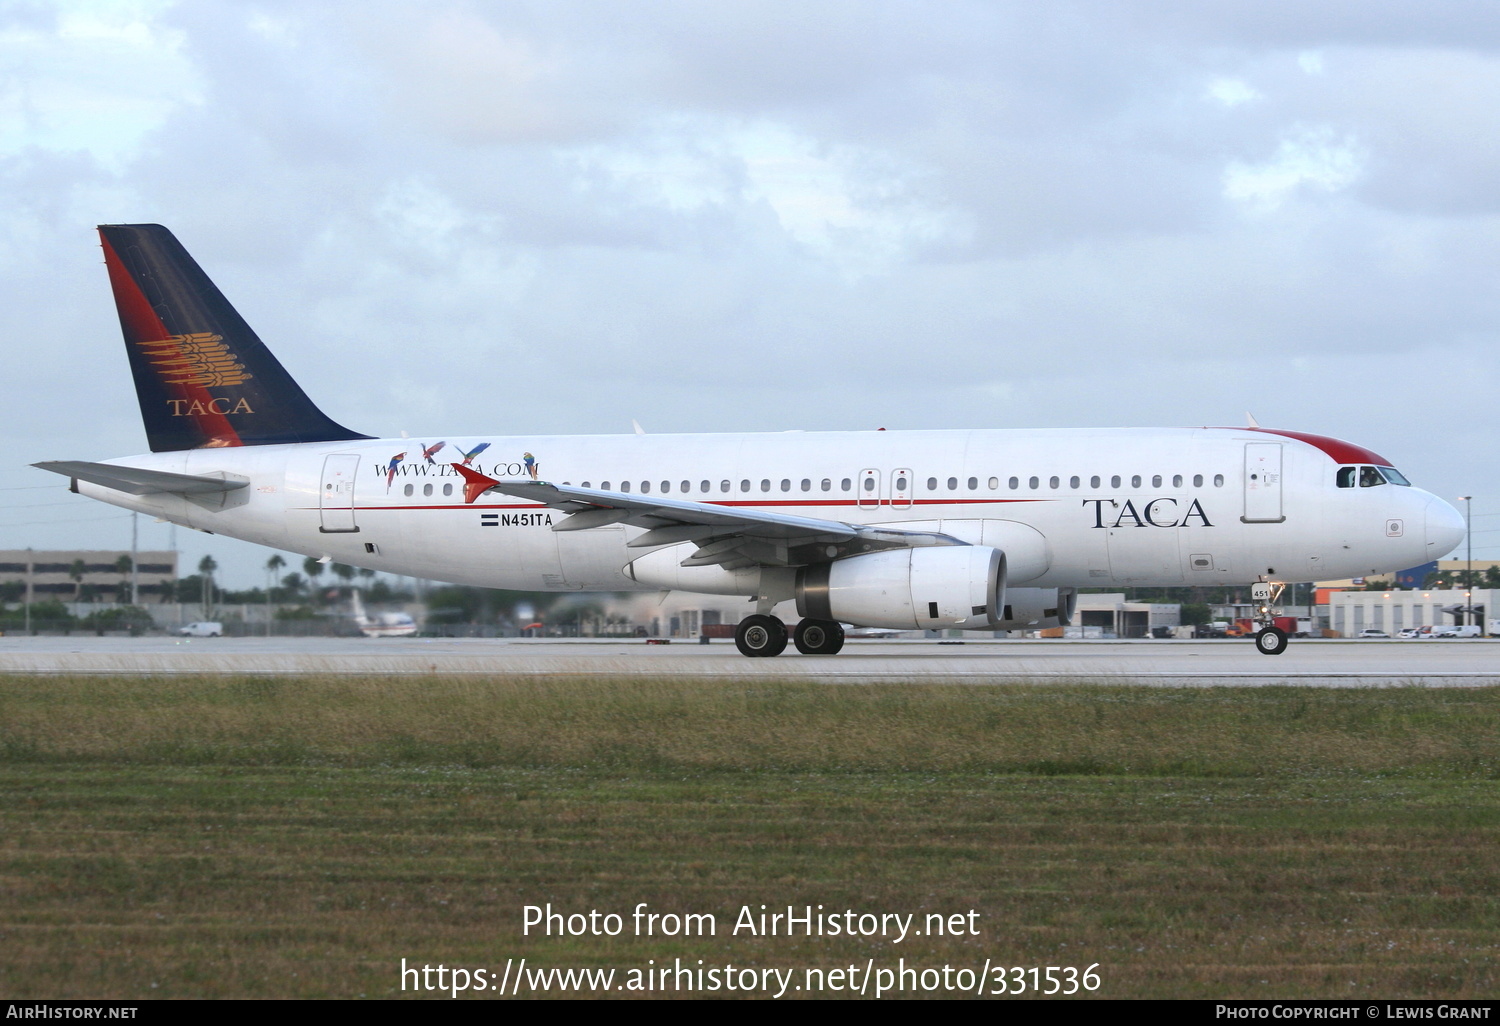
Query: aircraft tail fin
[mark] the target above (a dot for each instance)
(203, 377)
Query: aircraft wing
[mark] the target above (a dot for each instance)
(730, 536)
(140, 482)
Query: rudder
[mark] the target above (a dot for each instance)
(203, 377)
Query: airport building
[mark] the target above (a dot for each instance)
(81, 575)
(1350, 612)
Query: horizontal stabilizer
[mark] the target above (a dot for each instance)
(139, 482)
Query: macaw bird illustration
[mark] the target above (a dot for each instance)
(428, 454)
(390, 471)
(531, 464)
(469, 456)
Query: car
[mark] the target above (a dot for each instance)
(1372, 632)
(202, 629)
(1409, 632)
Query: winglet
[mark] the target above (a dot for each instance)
(475, 483)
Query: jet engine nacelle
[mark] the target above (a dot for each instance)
(1038, 608)
(958, 586)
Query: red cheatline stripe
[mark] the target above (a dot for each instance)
(665, 511)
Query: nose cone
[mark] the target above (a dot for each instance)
(1445, 528)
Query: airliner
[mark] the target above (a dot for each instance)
(381, 625)
(969, 529)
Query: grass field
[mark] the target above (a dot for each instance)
(221, 836)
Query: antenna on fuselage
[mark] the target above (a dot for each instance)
(637, 425)
(1250, 420)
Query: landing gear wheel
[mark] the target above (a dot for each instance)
(1271, 641)
(759, 635)
(818, 637)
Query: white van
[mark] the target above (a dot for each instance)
(202, 629)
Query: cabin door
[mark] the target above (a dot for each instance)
(1263, 483)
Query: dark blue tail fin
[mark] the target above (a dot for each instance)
(202, 376)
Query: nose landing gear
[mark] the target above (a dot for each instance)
(1270, 639)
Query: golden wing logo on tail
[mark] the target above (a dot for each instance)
(200, 359)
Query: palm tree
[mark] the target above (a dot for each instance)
(123, 566)
(273, 564)
(76, 571)
(206, 567)
(314, 570)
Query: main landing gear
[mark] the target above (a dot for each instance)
(761, 635)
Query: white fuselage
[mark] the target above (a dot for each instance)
(1142, 507)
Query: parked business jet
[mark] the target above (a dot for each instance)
(976, 530)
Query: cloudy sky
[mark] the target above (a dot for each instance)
(464, 218)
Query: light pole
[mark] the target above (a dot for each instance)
(1468, 501)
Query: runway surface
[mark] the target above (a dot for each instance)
(1394, 663)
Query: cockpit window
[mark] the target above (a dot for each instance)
(1369, 477)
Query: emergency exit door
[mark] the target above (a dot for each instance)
(336, 494)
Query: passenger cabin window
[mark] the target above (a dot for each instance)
(806, 485)
(1197, 480)
(604, 486)
(1015, 483)
(1156, 481)
(827, 485)
(1218, 480)
(1114, 482)
(845, 485)
(953, 484)
(994, 483)
(408, 489)
(624, 486)
(786, 484)
(932, 484)
(427, 489)
(973, 484)
(1035, 482)
(1073, 482)
(1094, 481)
(869, 484)
(745, 485)
(645, 487)
(1135, 481)
(901, 483)
(765, 484)
(1053, 482)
